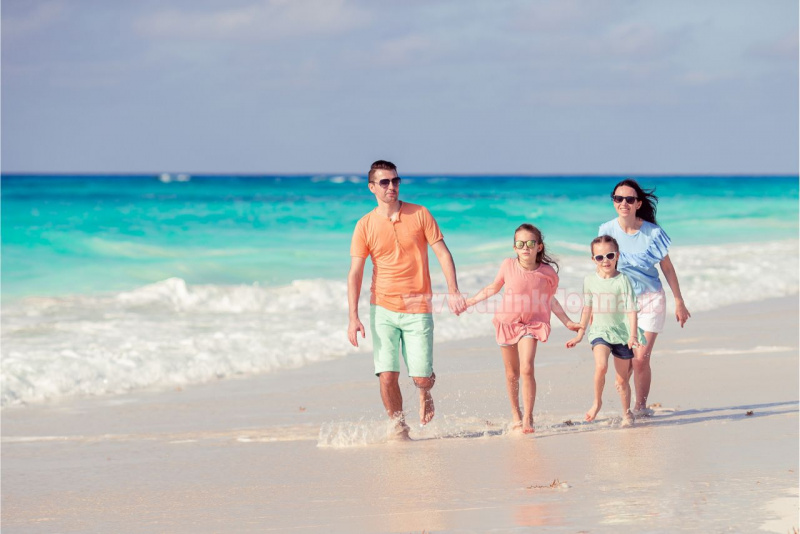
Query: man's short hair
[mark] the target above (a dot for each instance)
(381, 165)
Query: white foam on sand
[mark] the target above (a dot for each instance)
(346, 434)
(783, 513)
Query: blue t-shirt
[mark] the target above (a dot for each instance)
(639, 253)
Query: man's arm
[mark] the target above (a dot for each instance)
(455, 299)
(354, 279)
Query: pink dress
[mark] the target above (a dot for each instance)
(526, 302)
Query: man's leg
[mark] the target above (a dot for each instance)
(386, 354)
(426, 408)
(417, 336)
(390, 394)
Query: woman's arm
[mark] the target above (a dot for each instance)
(633, 338)
(681, 312)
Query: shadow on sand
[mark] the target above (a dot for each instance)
(662, 417)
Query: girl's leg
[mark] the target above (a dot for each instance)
(641, 371)
(511, 362)
(526, 349)
(623, 383)
(601, 353)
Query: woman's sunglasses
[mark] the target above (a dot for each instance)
(530, 244)
(618, 199)
(610, 256)
(385, 182)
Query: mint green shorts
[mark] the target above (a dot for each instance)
(411, 331)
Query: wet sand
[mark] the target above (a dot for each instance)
(306, 450)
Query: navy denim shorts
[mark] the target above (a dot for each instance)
(617, 349)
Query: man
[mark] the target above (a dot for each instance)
(396, 235)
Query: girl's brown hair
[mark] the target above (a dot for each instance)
(541, 256)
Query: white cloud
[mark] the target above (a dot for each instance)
(41, 17)
(263, 20)
(404, 50)
(637, 39)
(702, 78)
(783, 48)
(567, 15)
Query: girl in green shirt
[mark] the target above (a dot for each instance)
(610, 307)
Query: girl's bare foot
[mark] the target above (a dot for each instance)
(426, 409)
(592, 413)
(527, 426)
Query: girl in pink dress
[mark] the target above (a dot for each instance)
(523, 317)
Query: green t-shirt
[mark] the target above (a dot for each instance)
(611, 299)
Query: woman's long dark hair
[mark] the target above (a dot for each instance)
(541, 256)
(649, 200)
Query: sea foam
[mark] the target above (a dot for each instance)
(172, 333)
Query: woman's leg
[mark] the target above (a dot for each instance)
(641, 371)
(623, 383)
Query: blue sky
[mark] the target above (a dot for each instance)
(458, 86)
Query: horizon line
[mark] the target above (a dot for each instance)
(415, 174)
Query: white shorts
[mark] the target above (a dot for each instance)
(652, 311)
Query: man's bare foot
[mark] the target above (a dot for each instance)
(592, 413)
(426, 409)
(399, 431)
(627, 419)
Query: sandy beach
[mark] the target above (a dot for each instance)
(269, 453)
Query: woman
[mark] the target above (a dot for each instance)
(643, 244)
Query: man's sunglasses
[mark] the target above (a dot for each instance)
(610, 256)
(530, 244)
(385, 182)
(618, 199)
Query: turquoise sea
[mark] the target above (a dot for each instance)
(88, 234)
(117, 283)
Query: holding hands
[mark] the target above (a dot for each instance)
(577, 339)
(457, 303)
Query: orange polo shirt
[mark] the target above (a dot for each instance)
(401, 280)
